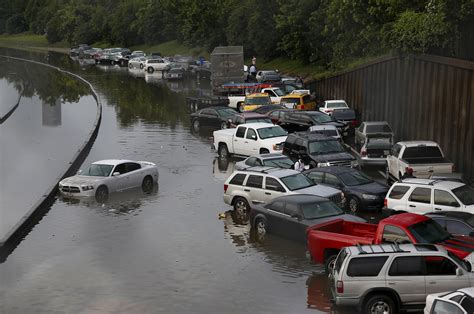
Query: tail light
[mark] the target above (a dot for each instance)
(409, 170)
(354, 123)
(328, 110)
(340, 286)
(385, 202)
(225, 187)
(363, 153)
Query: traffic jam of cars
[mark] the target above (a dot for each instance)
(303, 172)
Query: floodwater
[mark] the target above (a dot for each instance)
(162, 252)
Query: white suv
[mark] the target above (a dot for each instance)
(329, 106)
(424, 195)
(260, 185)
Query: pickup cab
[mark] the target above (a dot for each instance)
(327, 239)
(250, 139)
(418, 158)
(237, 92)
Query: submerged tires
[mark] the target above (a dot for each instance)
(102, 194)
(147, 184)
(223, 151)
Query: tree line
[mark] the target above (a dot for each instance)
(325, 32)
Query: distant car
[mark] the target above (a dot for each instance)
(371, 127)
(460, 301)
(329, 105)
(268, 76)
(276, 115)
(175, 74)
(156, 64)
(292, 80)
(302, 120)
(298, 100)
(455, 222)
(276, 160)
(213, 117)
(247, 117)
(138, 53)
(267, 108)
(349, 117)
(107, 176)
(328, 130)
(360, 191)
(289, 216)
(137, 63)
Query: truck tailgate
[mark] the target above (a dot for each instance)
(424, 170)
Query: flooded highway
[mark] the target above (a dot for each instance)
(162, 251)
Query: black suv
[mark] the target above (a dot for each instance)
(299, 120)
(317, 150)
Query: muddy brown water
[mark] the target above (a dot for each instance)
(162, 252)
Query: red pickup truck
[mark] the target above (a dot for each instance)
(325, 240)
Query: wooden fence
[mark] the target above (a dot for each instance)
(423, 97)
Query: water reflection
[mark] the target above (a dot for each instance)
(138, 73)
(52, 113)
(222, 168)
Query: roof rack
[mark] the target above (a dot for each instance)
(395, 248)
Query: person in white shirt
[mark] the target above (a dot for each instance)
(299, 164)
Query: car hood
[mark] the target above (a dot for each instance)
(332, 157)
(318, 190)
(81, 180)
(370, 188)
(275, 140)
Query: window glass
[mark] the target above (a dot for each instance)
(428, 231)
(353, 178)
(238, 179)
(132, 166)
(392, 234)
(251, 161)
(254, 181)
(306, 99)
(284, 162)
(251, 135)
(331, 179)
(444, 307)
(398, 191)
(297, 181)
(457, 227)
(378, 128)
(366, 266)
(120, 169)
(465, 194)
(292, 210)
(396, 150)
(407, 266)
(422, 152)
(273, 185)
(421, 195)
(299, 144)
(206, 112)
(325, 147)
(97, 170)
(320, 210)
(444, 198)
(272, 131)
(468, 304)
(240, 132)
(275, 114)
(439, 266)
(317, 177)
(440, 221)
(276, 206)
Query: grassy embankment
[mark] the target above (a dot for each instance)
(290, 67)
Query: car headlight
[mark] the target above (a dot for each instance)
(323, 164)
(369, 196)
(87, 187)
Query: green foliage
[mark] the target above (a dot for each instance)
(15, 24)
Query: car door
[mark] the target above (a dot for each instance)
(251, 141)
(205, 117)
(441, 275)
(134, 175)
(273, 189)
(419, 201)
(443, 200)
(273, 215)
(119, 180)
(214, 120)
(240, 141)
(406, 277)
(254, 188)
(292, 226)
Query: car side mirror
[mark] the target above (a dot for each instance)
(115, 174)
(79, 171)
(254, 137)
(459, 272)
(296, 216)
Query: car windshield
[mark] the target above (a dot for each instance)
(428, 231)
(355, 178)
(290, 101)
(422, 152)
(258, 101)
(320, 210)
(337, 105)
(465, 194)
(325, 147)
(332, 132)
(321, 118)
(283, 162)
(97, 170)
(271, 131)
(259, 119)
(378, 128)
(464, 264)
(279, 92)
(297, 181)
(226, 112)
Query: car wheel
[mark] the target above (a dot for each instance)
(196, 125)
(261, 229)
(141, 66)
(147, 184)
(380, 304)
(150, 70)
(241, 206)
(112, 62)
(102, 194)
(329, 264)
(264, 151)
(223, 151)
(223, 125)
(130, 66)
(354, 204)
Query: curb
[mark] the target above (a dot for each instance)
(42, 206)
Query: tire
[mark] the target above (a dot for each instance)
(380, 304)
(141, 66)
(329, 264)
(223, 125)
(264, 151)
(150, 70)
(261, 229)
(147, 184)
(112, 62)
(196, 125)
(102, 194)
(130, 66)
(353, 204)
(222, 151)
(241, 206)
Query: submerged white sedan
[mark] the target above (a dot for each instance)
(107, 176)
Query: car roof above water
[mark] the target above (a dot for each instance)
(111, 162)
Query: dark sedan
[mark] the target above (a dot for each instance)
(299, 120)
(215, 117)
(276, 115)
(267, 108)
(289, 216)
(455, 222)
(361, 192)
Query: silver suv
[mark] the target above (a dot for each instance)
(260, 185)
(385, 278)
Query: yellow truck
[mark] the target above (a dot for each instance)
(298, 100)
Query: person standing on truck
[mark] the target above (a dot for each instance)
(254, 61)
(253, 71)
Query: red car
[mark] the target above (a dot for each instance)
(327, 239)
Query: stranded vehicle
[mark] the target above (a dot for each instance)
(300, 100)
(326, 240)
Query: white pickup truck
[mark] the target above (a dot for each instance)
(249, 139)
(237, 101)
(420, 158)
